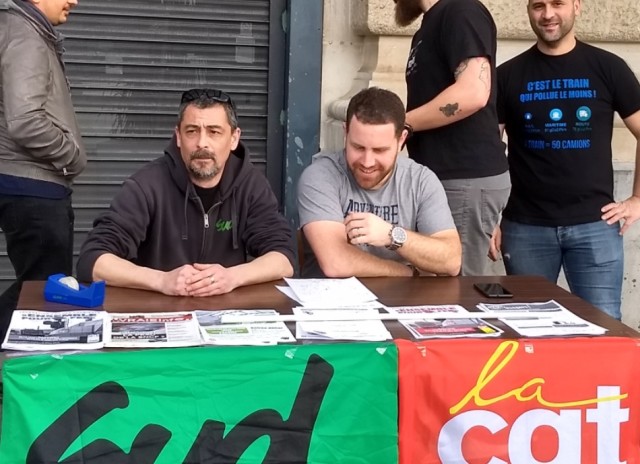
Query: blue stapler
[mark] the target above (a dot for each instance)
(87, 297)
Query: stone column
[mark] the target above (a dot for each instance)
(383, 57)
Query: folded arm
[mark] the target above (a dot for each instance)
(436, 253)
(334, 246)
(119, 272)
(439, 253)
(339, 258)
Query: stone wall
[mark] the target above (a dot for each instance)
(363, 47)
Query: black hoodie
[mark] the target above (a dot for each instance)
(157, 220)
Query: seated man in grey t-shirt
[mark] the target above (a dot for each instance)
(367, 211)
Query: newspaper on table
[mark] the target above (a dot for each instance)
(424, 327)
(45, 330)
(152, 330)
(363, 327)
(562, 322)
(325, 293)
(214, 332)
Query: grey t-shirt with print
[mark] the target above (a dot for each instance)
(412, 198)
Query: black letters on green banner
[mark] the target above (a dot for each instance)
(290, 439)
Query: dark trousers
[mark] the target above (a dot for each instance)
(39, 236)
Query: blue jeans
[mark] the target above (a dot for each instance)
(39, 236)
(591, 256)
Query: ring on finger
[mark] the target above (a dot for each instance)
(212, 278)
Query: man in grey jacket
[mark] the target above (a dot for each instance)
(41, 151)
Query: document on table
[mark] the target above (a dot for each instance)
(326, 293)
(214, 332)
(423, 327)
(363, 327)
(563, 322)
(152, 330)
(46, 330)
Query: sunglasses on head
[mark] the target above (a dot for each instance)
(214, 94)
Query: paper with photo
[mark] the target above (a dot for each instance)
(563, 322)
(45, 330)
(152, 330)
(251, 333)
(424, 327)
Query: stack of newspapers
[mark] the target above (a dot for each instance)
(343, 309)
(89, 330)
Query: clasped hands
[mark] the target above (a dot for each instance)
(199, 280)
(367, 229)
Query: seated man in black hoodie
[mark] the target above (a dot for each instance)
(186, 223)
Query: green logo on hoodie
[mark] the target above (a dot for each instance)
(223, 226)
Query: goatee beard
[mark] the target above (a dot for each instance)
(407, 11)
(203, 173)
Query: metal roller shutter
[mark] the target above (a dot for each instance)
(129, 61)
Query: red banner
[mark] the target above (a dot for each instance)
(560, 401)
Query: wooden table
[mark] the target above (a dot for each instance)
(391, 291)
(449, 397)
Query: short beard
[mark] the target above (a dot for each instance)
(202, 173)
(407, 11)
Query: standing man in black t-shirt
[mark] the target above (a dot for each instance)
(557, 101)
(451, 103)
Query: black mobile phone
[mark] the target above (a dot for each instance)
(493, 290)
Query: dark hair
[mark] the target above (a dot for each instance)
(377, 106)
(206, 98)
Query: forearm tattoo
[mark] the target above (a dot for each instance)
(450, 109)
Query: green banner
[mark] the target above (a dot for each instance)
(283, 404)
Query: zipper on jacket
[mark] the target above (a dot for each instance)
(207, 225)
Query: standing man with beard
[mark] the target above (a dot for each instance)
(557, 102)
(187, 223)
(451, 108)
(41, 150)
(366, 211)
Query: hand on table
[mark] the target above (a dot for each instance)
(175, 282)
(210, 279)
(367, 229)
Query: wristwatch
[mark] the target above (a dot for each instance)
(398, 236)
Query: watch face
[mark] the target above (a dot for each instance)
(399, 235)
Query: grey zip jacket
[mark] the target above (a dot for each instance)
(39, 134)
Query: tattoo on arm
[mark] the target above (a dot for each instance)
(483, 76)
(460, 69)
(450, 109)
